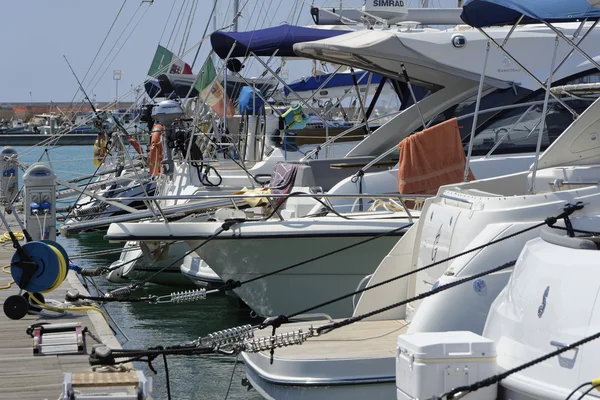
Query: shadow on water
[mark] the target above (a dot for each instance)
(148, 325)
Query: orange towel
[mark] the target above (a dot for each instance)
(432, 158)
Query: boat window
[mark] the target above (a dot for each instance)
(516, 130)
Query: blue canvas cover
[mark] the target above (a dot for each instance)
(248, 100)
(264, 42)
(339, 80)
(481, 13)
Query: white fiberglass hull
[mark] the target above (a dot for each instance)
(312, 370)
(251, 249)
(549, 302)
(142, 268)
(199, 272)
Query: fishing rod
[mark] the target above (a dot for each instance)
(99, 118)
(82, 89)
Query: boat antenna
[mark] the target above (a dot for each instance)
(82, 89)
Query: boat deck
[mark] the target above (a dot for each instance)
(24, 376)
(377, 340)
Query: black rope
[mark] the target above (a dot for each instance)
(577, 388)
(231, 284)
(277, 321)
(231, 377)
(226, 154)
(168, 381)
(106, 356)
(72, 298)
(589, 233)
(497, 378)
(348, 321)
(589, 390)
(124, 292)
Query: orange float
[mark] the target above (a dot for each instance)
(156, 150)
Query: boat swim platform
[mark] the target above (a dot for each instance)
(31, 139)
(367, 339)
(24, 376)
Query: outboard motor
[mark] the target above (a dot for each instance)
(166, 113)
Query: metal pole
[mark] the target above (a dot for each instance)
(360, 102)
(542, 85)
(412, 94)
(330, 77)
(508, 132)
(375, 97)
(573, 45)
(295, 94)
(225, 98)
(236, 9)
(477, 104)
(578, 43)
(543, 124)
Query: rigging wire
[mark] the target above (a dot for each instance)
(210, 17)
(176, 25)
(188, 27)
(113, 46)
(119, 51)
(167, 22)
(99, 49)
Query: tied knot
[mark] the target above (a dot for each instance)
(275, 322)
(570, 209)
(550, 221)
(231, 284)
(229, 222)
(359, 174)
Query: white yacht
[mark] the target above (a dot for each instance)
(510, 131)
(459, 218)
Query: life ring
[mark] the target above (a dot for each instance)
(156, 150)
(99, 150)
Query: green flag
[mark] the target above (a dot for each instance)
(211, 91)
(162, 60)
(207, 75)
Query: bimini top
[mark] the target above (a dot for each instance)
(264, 42)
(481, 13)
(339, 80)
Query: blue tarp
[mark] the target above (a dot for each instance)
(264, 42)
(481, 13)
(339, 80)
(248, 99)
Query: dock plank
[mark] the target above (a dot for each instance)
(24, 376)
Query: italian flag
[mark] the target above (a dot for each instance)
(165, 62)
(211, 90)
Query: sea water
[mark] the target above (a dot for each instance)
(141, 325)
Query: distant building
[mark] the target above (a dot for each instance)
(25, 111)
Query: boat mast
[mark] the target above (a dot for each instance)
(236, 8)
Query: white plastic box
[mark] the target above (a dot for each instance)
(430, 364)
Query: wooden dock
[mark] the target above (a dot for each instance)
(24, 376)
(78, 139)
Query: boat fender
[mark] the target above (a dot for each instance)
(156, 150)
(99, 150)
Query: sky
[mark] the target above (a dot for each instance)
(37, 33)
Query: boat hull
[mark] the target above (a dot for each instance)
(301, 287)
